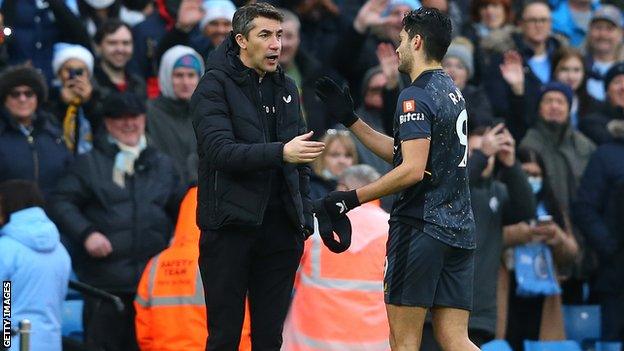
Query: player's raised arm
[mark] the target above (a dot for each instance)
(340, 106)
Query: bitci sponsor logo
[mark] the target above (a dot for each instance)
(6, 314)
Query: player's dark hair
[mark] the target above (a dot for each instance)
(433, 26)
(244, 16)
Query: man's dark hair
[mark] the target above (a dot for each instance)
(18, 194)
(433, 26)
(244, 16)
(107, 28)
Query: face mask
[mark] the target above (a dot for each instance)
(536, 184)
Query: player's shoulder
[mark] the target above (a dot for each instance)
(415, 93)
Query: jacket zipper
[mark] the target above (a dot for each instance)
(265, 201)
(215, 190)
(35, 155)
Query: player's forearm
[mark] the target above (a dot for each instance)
(379, 143)
(392, 182)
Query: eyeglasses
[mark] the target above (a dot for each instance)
(542, 20)
(338, 132)
(15, 94)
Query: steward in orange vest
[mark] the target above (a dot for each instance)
(170, 308)
(338, 303)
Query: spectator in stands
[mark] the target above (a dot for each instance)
(565, 151)
(31, 145)
(34, 261)
(73, 100)
(599, 212)
(37, 26)
(603, 48)
(459, 65)
(113, 43)
(539, 317)
(569, 69)
(338, 155)
(571, 18)
(304, 69)
(490, 20)
(338, 301)
(146, 36)
(518, 66)
(202, 26)
(500, 195)
(169, 123)
(117, 206)
(171, 290)
(598, 125)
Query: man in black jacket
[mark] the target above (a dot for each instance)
(254, 207)
(117, 205)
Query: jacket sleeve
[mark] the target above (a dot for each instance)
(304, 183)
(476, 164)
(143, 320)
(590, 205)
(73, 31)
(215, 136)
(70, 196)
(521, 203)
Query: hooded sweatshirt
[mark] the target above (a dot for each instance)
(38, 266)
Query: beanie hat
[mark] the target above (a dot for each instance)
(189, 61)
(99, 4)
(167, 64)
(64, 52)
(23, 75)
(463, 52)
(216, 9)
(560, 87)
(613, 72)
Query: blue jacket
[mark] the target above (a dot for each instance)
(598, 213)
(563, 23)
(38, 266)
(42, 158)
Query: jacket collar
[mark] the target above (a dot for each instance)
(41, 122)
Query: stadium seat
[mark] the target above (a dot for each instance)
(582, 322)
(72, 319)
(565, 345)
(608, 346)
(496, 345)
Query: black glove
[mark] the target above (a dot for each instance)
(338, 203)
(339, 102)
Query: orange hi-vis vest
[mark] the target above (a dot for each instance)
(170, 307)
(339, 302)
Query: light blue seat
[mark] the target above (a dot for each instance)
(72, 319)
(564, 345)
(582, 322)
(608, 346)
(496, 345)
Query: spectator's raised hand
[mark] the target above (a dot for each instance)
(493, 140)
(302, 150)
(389, 62)
(83, 88)
(512, 71)
(370, 15)
(189, 14)
(507, 152)
(98, 245)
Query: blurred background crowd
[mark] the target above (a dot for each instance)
(97, 152)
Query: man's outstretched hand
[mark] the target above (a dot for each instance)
(338, 100)
(338, 203)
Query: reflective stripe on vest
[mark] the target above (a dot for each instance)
(316, 280)
(339, 345)
(196, 300)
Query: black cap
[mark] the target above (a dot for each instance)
(613, 72)
(123, 104)
(328, 226)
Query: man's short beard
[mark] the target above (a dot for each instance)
(112, 66)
